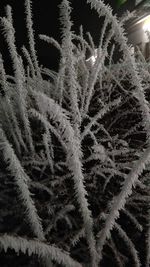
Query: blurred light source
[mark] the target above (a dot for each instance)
(142, 19)
(146, 25)
(92, 59)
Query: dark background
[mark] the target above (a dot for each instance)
(46, 21)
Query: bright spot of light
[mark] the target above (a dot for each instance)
(92, 59)
(146, 25)
(142, 19)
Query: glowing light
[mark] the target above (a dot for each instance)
(142, 20)
(146, 25)
(92, 59)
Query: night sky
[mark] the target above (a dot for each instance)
(45, 15)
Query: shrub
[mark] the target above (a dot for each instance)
(74, 149)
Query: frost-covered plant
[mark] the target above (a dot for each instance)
(75, 149)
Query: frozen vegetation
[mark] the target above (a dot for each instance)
(74, 149)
